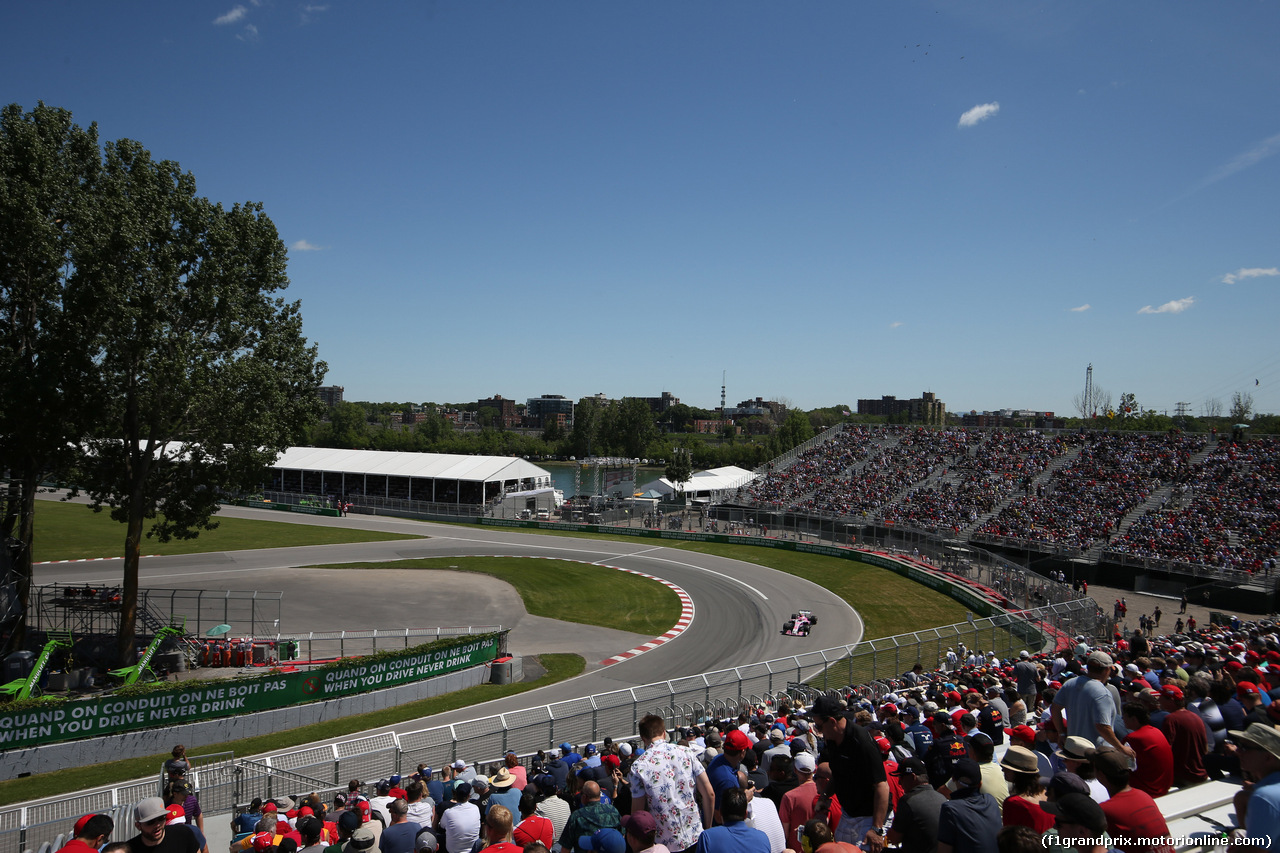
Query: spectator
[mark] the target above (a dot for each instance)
(1026, 792)
(797, 804)
(460, 823)
(1258, 804)
(915, 822)
(1080, 822)
(589, 819)
(497, 830)
(1187, 738)
(401, 835)
(857, 774)
(150, 817)
(89, 834)
(641, 832)
(664, 781)
(1131, 814)
(533, 827)
(969, 820)
(551, 805)
(734, 835)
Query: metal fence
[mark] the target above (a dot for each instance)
(868, 669)
(375, 505)
(69, 607)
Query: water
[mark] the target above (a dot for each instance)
(562, 476)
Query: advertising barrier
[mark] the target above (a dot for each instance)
(171, 703)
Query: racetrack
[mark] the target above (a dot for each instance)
(738, 607)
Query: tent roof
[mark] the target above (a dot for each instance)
(727, 477)
(447, 466)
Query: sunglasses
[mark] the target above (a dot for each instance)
(155, 821)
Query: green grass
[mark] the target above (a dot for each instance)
(559, 667)
(568, 591)
(70, 531)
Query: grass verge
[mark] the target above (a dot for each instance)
(564, 590)
(559, 667)
(71, 531)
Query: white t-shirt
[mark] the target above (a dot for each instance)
(461, 825)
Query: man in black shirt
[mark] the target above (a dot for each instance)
(857, 774)
(150, 816)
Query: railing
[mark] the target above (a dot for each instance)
(867, 669)
(374, 505)
(249, 611)
(1199, 570)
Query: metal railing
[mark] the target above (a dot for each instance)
(867, 669)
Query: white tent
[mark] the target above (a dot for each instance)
(704, 483)
(437, 477)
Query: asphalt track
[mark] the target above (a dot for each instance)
(738, 607)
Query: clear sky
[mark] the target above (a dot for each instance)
(827, 200)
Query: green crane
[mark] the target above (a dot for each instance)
(24, 688)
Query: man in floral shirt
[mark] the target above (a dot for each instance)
(664, 781)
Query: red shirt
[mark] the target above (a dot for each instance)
(1155, 761)
(1021, 812)
(1188, 740)
(1133, 815)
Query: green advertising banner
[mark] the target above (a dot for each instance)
(173, 705)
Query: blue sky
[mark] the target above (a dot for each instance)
(827, 200)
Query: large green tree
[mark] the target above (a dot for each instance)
(46, 393)
(204, 371)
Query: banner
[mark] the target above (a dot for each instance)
(173, 705)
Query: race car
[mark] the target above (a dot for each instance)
(799, 624)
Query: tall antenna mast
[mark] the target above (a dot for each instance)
(723, 375)
(1089, 409)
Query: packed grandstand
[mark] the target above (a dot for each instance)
(1174, 497)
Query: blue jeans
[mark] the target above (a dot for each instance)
(852, 830)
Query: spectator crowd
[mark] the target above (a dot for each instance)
(1072, 749)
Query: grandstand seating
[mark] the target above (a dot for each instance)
(1170, 498)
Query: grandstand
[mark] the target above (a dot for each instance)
(1161, 512)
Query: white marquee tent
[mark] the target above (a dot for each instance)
(435, 477)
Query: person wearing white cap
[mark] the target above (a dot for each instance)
(797, 804)
(1089, 707)
(150, 816)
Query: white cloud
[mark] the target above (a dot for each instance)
(1252, 157)
(895, 324)
(249, 33)
(1252, 272)
(979, 113)
(304, 246)
(1177, 306)
(1084, 307)
(231, 17)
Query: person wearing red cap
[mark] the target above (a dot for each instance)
(725, 770)
(1250, 696)
(90, 833)
(1187, 737)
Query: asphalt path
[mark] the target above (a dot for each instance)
(739, 607)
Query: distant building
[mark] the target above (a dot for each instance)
(714, 427)
(330, 395)
(757, 407)
(541, 412)
(658, 405)
(925, 409)
(1013, 418)
(506, 417)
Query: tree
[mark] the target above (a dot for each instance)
(1211, 408)
(1096, 403)
(680, 469)
(586, 423)
(348, 426)
(205, 374)
(1241, 407)
(796, 429)
(46, 163)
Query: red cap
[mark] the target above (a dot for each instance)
(263, 841)
(888, 708)
(612, 760)
(1234, 665)
(79, 827)
(883, 743)
(1245, 688)
(305, 810)
(1171, 690)
(176, 812)
(399, 793)
(737, 741)
(269, 806)
(1023, 733)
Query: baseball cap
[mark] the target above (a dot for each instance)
(624, 749)
(270, 806)
(177, 814)
(737, 741)
(1078, 808)
(606, 840)
(912, 766)
(263, 841)
(149, 809)
(777, 735)
(362, 839)
(79, 827)
(426, 840)
(804, 762)
(349, 822)
(1173, 691)
(826, 706)
(1023, 733)
(459, 765)
(966, 773)
(309, 825)
(1247, 688)
(640, 824)
(1099, 658)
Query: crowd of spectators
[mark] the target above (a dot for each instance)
(1225, 513)
(1070, 491)
(979, 754)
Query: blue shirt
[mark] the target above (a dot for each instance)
(1263, 819)
(734, 837)
(722, 776)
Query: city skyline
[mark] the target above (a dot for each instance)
(829, 201)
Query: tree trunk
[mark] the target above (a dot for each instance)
(126, 645)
